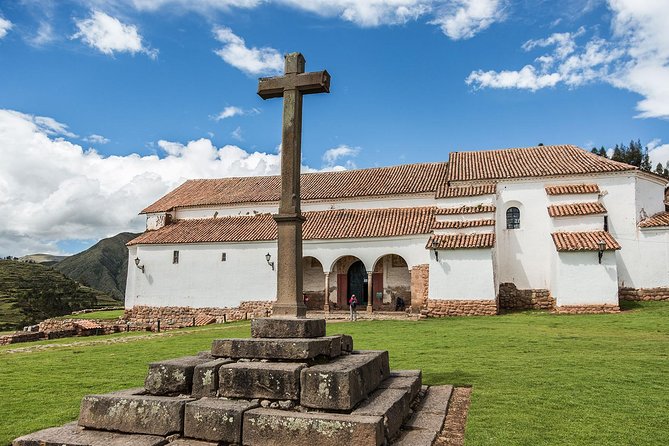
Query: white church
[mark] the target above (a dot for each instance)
(551, 227)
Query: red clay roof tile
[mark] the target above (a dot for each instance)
(478, 209)
(450, 191)
(572, 209)
(657, 220)
(584, 241)
(572, 189)
(461, 241)
(463, 224)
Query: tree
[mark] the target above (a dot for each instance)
(634, 154)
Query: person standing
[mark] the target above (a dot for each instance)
(353, 304)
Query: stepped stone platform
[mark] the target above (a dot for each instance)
(287, 384)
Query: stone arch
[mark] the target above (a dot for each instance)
(391, 280)
(313, 283)
(339, 278)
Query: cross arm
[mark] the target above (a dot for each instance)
(306, 83)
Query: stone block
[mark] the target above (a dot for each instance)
(391, 404)
(269, 427)
(287, 328)
(173, 376)
(135, 414)
(73, 435)
(436, 400)
(343, 382)
(215, 419)
(404, 379)
(416, 438)
(346, 343)
(191, 442)
(265, 380)
(281, 349)
(205, 378)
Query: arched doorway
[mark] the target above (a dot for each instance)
(313, 280)
(391, 283)
(356, 280)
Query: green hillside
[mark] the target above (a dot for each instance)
(30, 292)
(103, 266)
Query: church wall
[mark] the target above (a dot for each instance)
(462, 274)
(581, 280)
(581, 223)
(652, 249)
(201, 279)
(649, 196)
(313, 283)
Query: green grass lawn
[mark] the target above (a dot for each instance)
(106, 315)
(538, 379)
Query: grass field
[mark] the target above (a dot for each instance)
(99, 315)
(538, 379)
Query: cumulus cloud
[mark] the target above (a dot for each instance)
(635, 58)
(96, 139)
(54, 190)
(253, 61)
(232, 111)
(658, 153)
(109, 35)
(44, 35)
(331, 156)
(5, 26)
(463, 19)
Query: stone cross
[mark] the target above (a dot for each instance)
(291, 86)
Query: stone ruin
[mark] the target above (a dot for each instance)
(289, 384)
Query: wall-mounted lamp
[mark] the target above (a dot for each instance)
(435, 247)
(268, 257)
(137, 264)
(601, 246)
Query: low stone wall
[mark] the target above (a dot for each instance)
(21, 336)
(636, 294)
(446, 308)
(511, 298)
(586, 309)
(178, 317)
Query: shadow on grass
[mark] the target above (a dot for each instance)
(457, 378)
(629, 305)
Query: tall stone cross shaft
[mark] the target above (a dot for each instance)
(291, 86)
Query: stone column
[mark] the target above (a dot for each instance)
(326, 304)
(370, 298)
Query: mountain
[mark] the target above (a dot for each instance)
(44, 259)
(103, 266)
(31, 292)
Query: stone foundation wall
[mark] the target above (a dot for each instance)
(15, 338)
(586, 309)
(511, 298)
(446, 308)
(636, 294)
(420, 282)
(177, 317)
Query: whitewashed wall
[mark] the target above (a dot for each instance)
(580, 280)
(462, 274)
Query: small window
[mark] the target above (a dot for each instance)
(606, 223)
(224, 257)
(175, 257)
(513, 218)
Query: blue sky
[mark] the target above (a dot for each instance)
(105, 105)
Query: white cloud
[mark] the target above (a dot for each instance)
(198, 5)
(96, 139)
(44, 34)
(252, 61)
(51, 127)
(658, 153)
(462, 19)
(53, 190)
(232, 111)
(635, 58)
(109, 35)
(237, 134)
(331, 156)
(5, 26)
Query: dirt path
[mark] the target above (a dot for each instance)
(453, 432)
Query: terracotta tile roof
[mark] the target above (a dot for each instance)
(572, 189)
(319, 225)
(404, 179)
(479, 209)
(583, 241)
(462, 241)
(463, 224)
(528, 162)
(660, 219)
(450, 191)
(568, 210)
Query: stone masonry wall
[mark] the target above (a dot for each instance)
(176, 317)
(420, 281)
(511, 298)
(446, 308)
(636, 294)
(586, 309)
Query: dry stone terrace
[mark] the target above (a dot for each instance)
(287, 384)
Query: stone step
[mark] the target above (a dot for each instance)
(345, 381)
(404, 379)
(73, 435)
(426, 423)
(215, 419)
(392, 405)
(278, 349)
(271, 427)
(263, 380)
(134, 414)
(287, 328)
(205, 378)
(173, 376)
